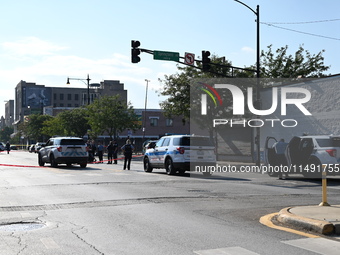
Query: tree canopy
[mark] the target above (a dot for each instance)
(67, 123)
(278, 64)
(111, 115)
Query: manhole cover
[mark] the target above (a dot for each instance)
(21, 226)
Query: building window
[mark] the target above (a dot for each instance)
(55, 96)
(61, 96)
(153, 122)
(69, 105)
(69, 96)
(76, 97)
(61, 105)
(169, 122)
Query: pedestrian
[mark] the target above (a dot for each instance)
(110, 150)
(280, 148)
(115, 151)
(93, 148)
(100, 149)
(8, 147)
(127, 150)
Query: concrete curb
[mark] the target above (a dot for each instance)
(318, 226)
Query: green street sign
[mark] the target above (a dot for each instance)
(166, 55)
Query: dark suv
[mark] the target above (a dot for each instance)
(63, 150)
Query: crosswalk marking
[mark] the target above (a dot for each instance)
(226, 251)
(318, 245)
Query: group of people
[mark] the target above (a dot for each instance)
(112, 152)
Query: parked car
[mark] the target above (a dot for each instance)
(31, 148)
(38, 146)
(2, 146)
(306, 154)
(180, 153)
(63, 150)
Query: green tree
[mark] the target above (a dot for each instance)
(273, 65)
(34, 127)
(111, 115)
(5, 134)
(281, 64)
(68, 123)
(177, 86)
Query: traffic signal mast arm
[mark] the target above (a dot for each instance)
(206, 63)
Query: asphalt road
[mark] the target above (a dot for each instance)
(105, 210)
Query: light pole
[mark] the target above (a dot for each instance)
(258, 97)
(146, 101)
(83, 80)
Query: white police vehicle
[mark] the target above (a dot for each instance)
(63, 150)
(180, 153)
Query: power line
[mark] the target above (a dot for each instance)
(301, 32)
(302, 22)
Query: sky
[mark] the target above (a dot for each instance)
(47, 41)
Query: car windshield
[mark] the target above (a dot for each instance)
(327, 142)
(193, 141)
(72, 142)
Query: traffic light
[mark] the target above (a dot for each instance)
(135, 51)
(205, 60)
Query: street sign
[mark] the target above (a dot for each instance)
(166, 55)
(189, 58)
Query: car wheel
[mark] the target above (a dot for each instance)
(169, 167)
(40, 161)
(147, 166)
(52, 160)
(83, 165)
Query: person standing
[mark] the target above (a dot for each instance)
(8, 147)
(115, 151)
(127, 150)
(100, 149)
(110, 150)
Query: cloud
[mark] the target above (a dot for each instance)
(31, 46)
(34, 60)
(247, 49)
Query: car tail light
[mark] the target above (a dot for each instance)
(332, 152)
(181, 150)
(59, 149)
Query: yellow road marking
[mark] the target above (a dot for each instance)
(266, 220)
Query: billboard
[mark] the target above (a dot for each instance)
(36, 97)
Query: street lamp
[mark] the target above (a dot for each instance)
(83, 80)
(146, 101)
(258, 98)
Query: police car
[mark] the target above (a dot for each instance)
(63, 150)
(180, 153)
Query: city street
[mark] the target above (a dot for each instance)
(102, 209)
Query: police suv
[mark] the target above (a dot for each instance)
(180, 153)
(63, 150)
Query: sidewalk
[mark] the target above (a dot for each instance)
(320, 219)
